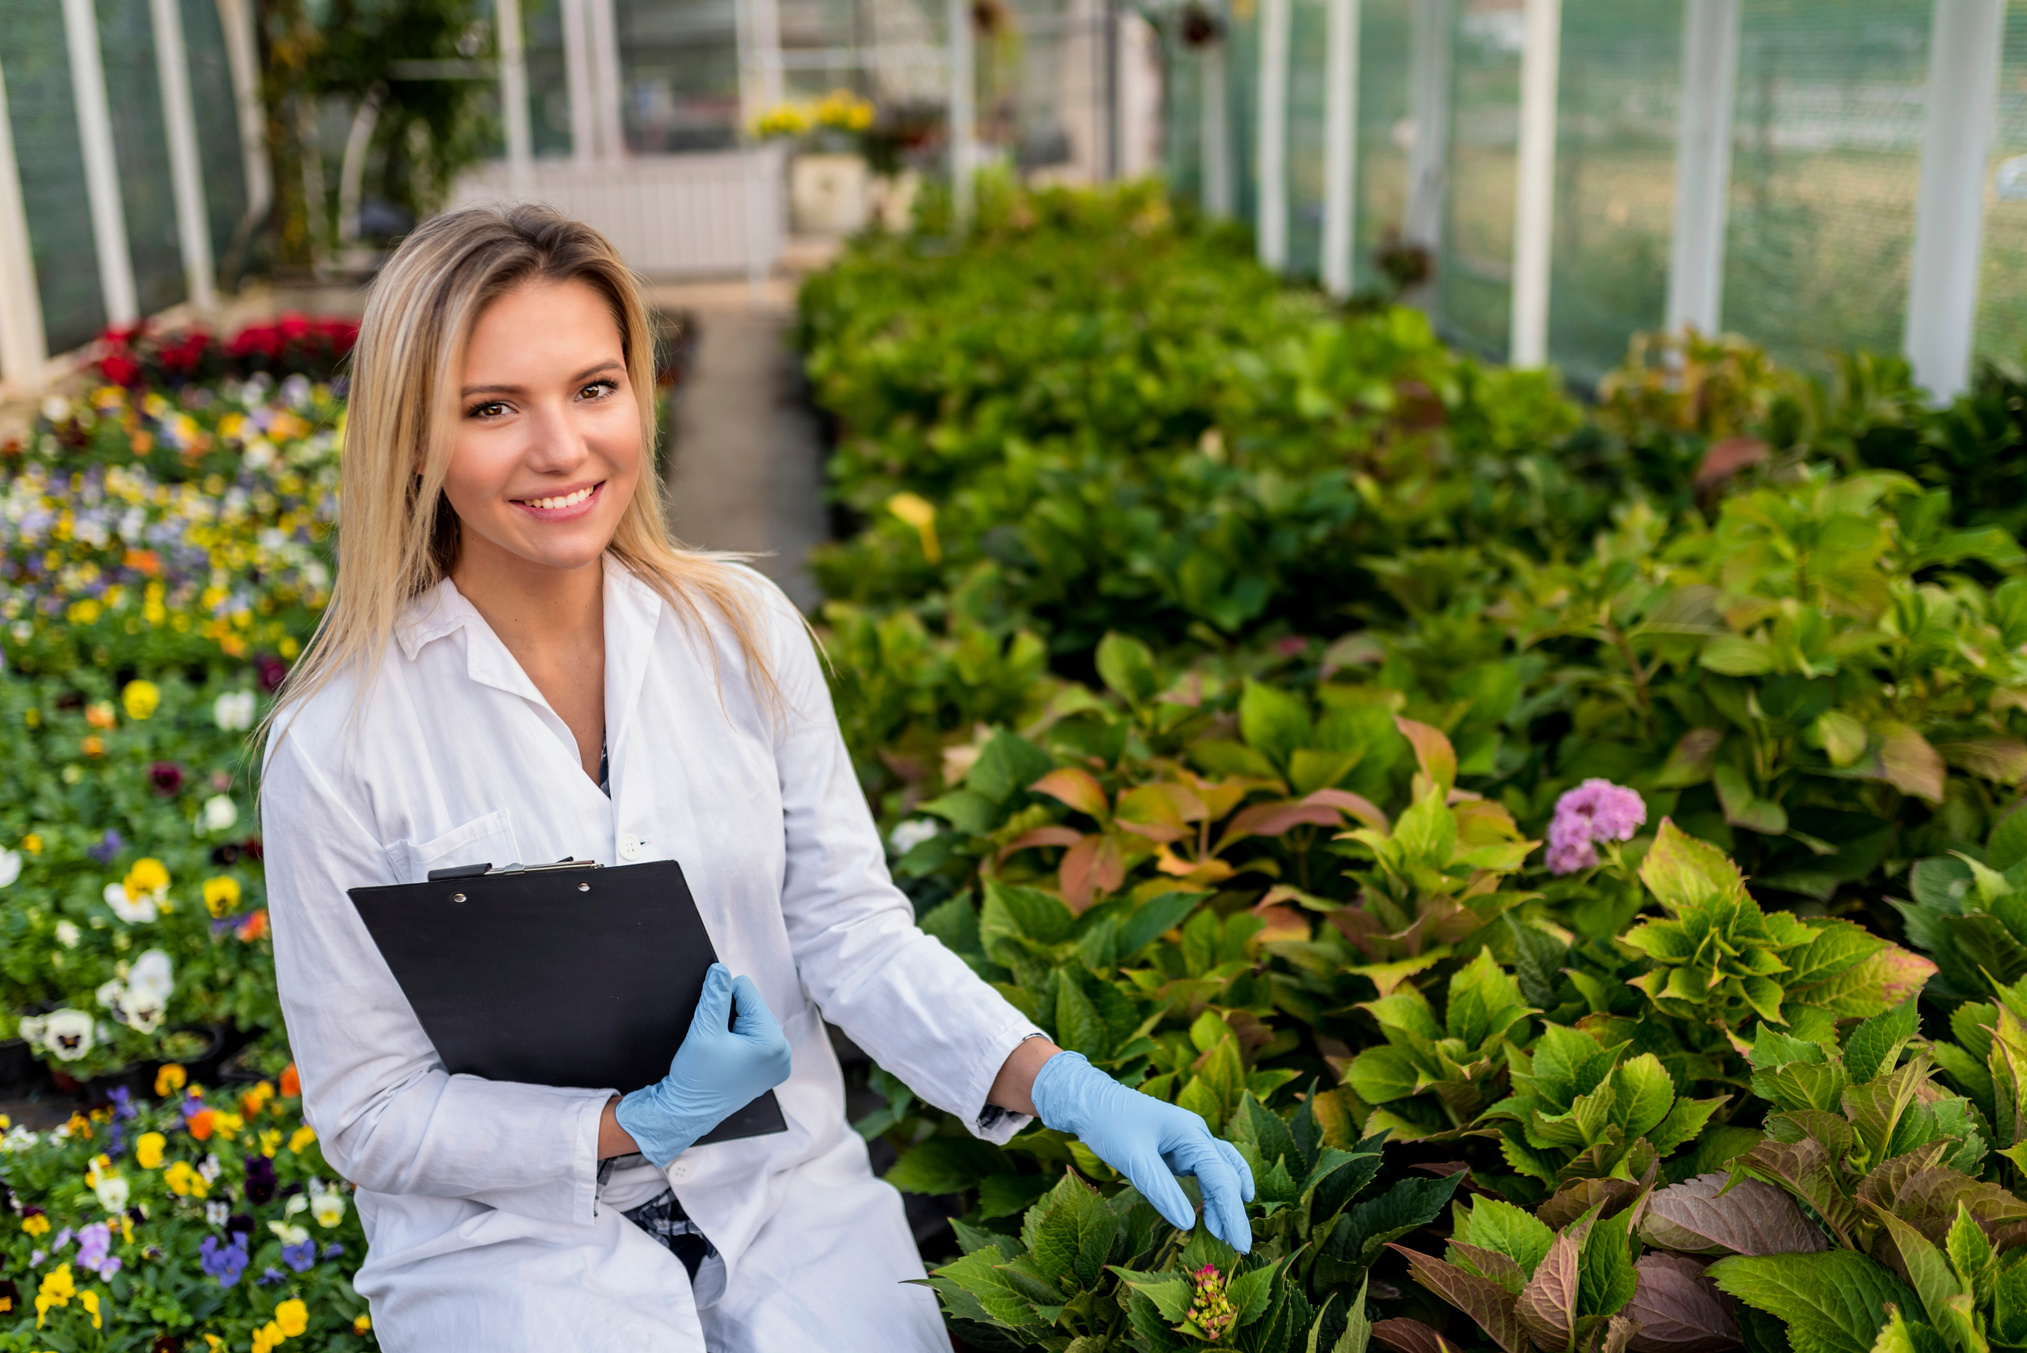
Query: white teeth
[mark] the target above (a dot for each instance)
(568, 500)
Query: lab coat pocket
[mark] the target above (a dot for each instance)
(483, 840)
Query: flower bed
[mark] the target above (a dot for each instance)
(1506, 821)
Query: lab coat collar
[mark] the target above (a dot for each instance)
(632, 611)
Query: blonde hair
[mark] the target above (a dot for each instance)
(398, 536)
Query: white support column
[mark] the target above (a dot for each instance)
(1270, 204)
(1429, 107)
(1702, 165)
(1216, 132)
(242, 58)
(186, 169)
(1340, 143)
(1534, 189)
(1949, 218)
(963, 110)
(514, 99)
(23, 347)
(101, 168)
(606, 80)
(578, 83)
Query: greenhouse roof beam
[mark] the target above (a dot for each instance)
(1340, 142)
(1270, 210)
(23, 346)
(1702, 164)
(1534, 183)
(118, 292)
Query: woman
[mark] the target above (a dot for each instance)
(518, 665)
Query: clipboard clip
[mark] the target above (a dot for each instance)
(471, 871)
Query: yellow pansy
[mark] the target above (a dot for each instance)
(37, 1225)
(221, 895)
(169, 1078)
(185, 1182)
(147, 876)
(227, 1125)
(302, 1137)
(56, 1290)
(267, 1336)
(90, 1299)
(148, 1149)
(141, 698)
(362, 1324)
(293, 1317)
(32, 843)
(255, 1099)
(270, 1142)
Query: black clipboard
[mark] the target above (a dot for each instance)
(568, 974)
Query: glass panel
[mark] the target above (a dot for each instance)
(1474, 267)
(141, 148)
(2002, 289)
(1385, 132)
(43, 119)
(223, 168)
(1615, 179)
(1825, 167)
(1307, 52)
(679, 61)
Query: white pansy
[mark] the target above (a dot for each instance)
(328, 1208)
(140, 1001)
(296, 1203)
(10, 866)
(66, 1034)
(216, 1212)
(233, 711)
(18, 1139)
(290, 1235)
(132, 910)
(112, 1191)
(209, 1166)
(911, 834)
(220, 813)
(67, 934)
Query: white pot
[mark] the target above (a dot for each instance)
(827, 194)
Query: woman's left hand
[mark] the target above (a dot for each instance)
(1149, 1142)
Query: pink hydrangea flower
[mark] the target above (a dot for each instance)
(1596, 810)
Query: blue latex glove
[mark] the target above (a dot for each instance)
(716, 1072)
(1150, 1143)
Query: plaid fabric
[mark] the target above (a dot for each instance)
(664, 1219)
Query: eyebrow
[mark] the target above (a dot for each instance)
(584, 375)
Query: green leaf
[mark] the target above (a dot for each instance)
(1684, 872)
(1170, 1295)
(1538, 958)
(1411, 1203)
(1273, 722)
(1875, 1045)
(1069, 1233)
(1605, 1277)
(1078, 1027)
(2009, 1306)
(1027, 913)
(1645, 1094)
(1006, 764)
(1154, 918)
(1126, 666)
(1832, 1302)
(947, 1165)
(1249, 1292)
(979, 1274)
(1900, 1335)
(1494, 1224)
(1381, 1075)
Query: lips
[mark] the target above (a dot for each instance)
(564, 505)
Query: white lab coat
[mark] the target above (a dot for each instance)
(480, 1198)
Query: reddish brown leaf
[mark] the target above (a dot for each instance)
(1699, 1216)
(1041, 836)
(1727, 458)
(2001, 759)
(1433, 752)
(1355, 806)
(1404, 1335)
(1548, 1304)
(1678, 1310)
(1480, 1298)
(1500, 1268)
(1078, 788)
(1909, 764)
(1090, 869)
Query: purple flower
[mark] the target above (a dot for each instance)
(333, 1250)
(300, 1257)
(1596, 810)
(122, 1101)
(111, 844)
(94, 1250)
(166, 778)
(259, 1180)
(223, 1262)
(271, 1275)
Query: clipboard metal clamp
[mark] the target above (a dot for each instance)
(470, 871)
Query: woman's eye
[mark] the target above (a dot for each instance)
(599, 389)
(492, 408)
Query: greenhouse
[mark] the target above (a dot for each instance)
(1377, 698)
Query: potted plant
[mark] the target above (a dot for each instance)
(829, 180)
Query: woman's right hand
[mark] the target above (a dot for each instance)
(716, 1072)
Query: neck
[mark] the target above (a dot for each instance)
(534, 608)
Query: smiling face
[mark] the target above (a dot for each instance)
(548, 443)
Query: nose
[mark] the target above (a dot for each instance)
(555, 443)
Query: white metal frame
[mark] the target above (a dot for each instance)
(1340, 143)
(186, 168)
(243, 61)
(514, 98)
(101, 168)
(963, 125)
(1702, 165)
(23, 347)
(1270, 207)
(1534, 186)
(1942, 288)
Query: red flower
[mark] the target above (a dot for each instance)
(166, 777)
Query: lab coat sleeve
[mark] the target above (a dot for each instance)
(913, 1005)
(388, 1116)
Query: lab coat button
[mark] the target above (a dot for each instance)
(679, 1170)
(630, 847)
